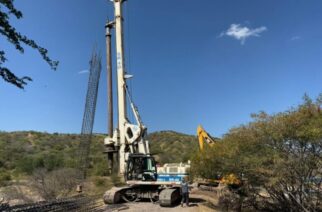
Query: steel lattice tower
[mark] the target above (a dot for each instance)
(89, 112)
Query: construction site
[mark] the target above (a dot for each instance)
(270, 161)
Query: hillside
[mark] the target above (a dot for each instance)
(170, 146)
(23, 152)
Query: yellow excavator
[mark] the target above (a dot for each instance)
(203, 137)
(230, 179)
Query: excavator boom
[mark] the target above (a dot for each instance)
(230, 179)
(203, 136)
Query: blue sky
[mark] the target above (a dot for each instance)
(212, 62)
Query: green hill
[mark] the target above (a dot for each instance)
(170, 146)
(23, 152)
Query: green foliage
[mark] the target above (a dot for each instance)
(100, 168)
(279, 154)
(4, 178)
(25, 165)
(116, 180)
(53, 161)
(7, 10)
(21, 153)
(100, 182)
(170, 147)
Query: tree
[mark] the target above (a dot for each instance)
(8, 9)
(280, 155)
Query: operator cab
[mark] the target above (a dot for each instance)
(141, 167)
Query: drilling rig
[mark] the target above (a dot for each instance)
(127, 147)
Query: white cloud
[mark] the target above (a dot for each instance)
(242, 32)
(83, 71)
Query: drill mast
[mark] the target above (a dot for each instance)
(128, 138)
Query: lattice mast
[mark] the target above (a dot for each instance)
(89, 113)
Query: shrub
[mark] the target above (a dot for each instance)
(4, 178)
(100, 182)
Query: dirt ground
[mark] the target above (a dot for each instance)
(147, 207)
(197, 202)
(200, 201)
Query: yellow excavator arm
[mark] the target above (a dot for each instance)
(230, 179)
(203, 136)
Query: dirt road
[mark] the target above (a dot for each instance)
(196, 202)
(148, 207)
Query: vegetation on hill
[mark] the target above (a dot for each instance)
(40, 163)
(21, 153)
(170, 146)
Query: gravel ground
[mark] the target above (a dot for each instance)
(148, 207)
(195, 201)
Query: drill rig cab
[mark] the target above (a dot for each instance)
(141, 167)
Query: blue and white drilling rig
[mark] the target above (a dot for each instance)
(127, 147)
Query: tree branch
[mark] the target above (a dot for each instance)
(17, 39)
